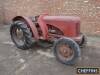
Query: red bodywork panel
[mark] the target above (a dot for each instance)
(30, 24)
(43, 26)
(70, 26)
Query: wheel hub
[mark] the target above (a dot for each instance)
(18, 35)
(66, 51)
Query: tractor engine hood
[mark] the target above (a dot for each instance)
(69, 25)
(61, 19)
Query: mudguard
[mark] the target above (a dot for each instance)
(29, 23)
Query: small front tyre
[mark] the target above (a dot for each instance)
(66, 51)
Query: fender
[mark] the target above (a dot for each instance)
(43, 26)
(29, 23)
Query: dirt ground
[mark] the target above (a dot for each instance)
(40, 61)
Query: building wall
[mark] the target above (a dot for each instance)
(87, 10)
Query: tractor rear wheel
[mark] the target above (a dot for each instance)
(21, 35)
(66, 51)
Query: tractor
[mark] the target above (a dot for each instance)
(62, 33)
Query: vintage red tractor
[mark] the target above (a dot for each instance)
(60, 32)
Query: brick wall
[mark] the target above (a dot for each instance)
(87, 10)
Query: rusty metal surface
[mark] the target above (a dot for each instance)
(65, 51)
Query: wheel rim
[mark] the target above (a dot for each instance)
(18, 35)
(65, 52)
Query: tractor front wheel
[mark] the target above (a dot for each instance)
(66, 51)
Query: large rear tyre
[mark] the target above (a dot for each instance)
(66, 51)
(21, 35)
